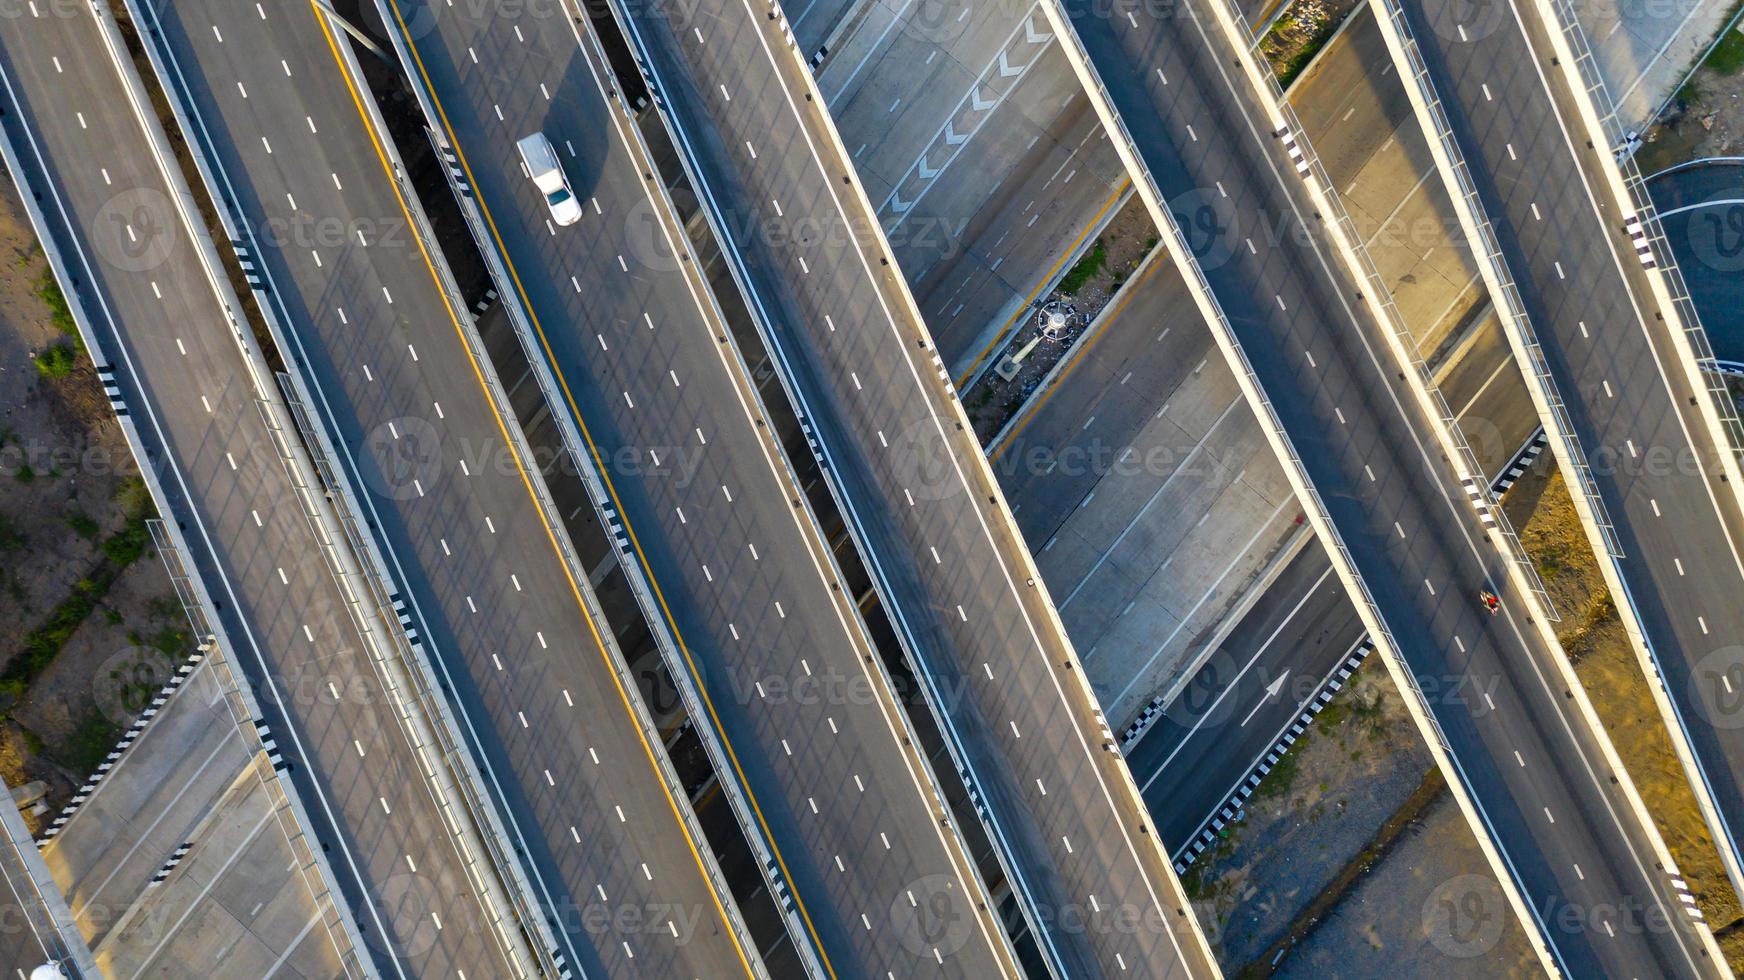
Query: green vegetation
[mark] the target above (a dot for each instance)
(1728, 56)
(60, 316)
(1291, 44)
(11, 538)
(126, 545)
(89, 742)
(1085, 269)
(44, 643)
(57, 361)
(82, 524)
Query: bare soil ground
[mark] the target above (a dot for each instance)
(1393, 921)
(1090, 285)
(91, 622)
(1607, 665)
(1299, 33)
(1316, 812)
(1706, 118)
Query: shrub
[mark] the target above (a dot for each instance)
(1085, 270)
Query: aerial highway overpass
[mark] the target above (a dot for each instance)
(367, 311)
(1591, 300)
(924, 508)
(759, 630)
(181, 367)
(1411, 536)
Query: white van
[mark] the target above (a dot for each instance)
(541, 163)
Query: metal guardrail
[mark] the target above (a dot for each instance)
(1470, 472)
(245, 715)
(1598, 94)
(599, 496)
(1258, 398)
(433, 702)
(375, 593)
(366, 599)
(1487, 241)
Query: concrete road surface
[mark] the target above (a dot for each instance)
(373, 321)
(171, 329)
(746, 584)
(1679, 525)
(1535, 768)
(923, 505)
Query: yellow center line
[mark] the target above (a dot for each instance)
(1077, 357)
(1023, 307)
(526, 481)
(611, 489)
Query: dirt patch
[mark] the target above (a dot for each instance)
(1316, 812)
(1706, 116)
(1088, 287)
(1299, 33)
(1606, 663)
(1393, 922)
(78, 580)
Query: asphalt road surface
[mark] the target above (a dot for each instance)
(619, 865)
(1534, 768)
(1702, 208)
(1679, 525)
(745, 582)
(920, 498)
(169, 325)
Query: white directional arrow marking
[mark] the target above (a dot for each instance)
(898, 205)
(926, 172)
(951, 137)
(1034, 36)
(1005, 69)
(1272, 690)
(978, 103)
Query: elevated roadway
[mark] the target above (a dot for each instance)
(369, 314)
(737, 581)
(1410, 537)
(921, 501)
(170, 344)
(1590, 327)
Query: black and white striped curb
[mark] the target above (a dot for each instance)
(456, 173)
(1683, 895)
(250, 271)
(615, 525)
(817, 59)
(405, 617)
(1528, 455)
(811, 440)
(1296, 155)
(1479, 502)
(484, 303)
(1146, 719)
(974, 792)
(127, 739)
(111, 390)
(562, 965)
(1108, 743)
(1521, 462)
(1638, 237)
(779, 883)
(1232, 806)
(269, 745)
(170, 865)
(776, 14)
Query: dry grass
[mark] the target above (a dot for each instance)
(1606, 663)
